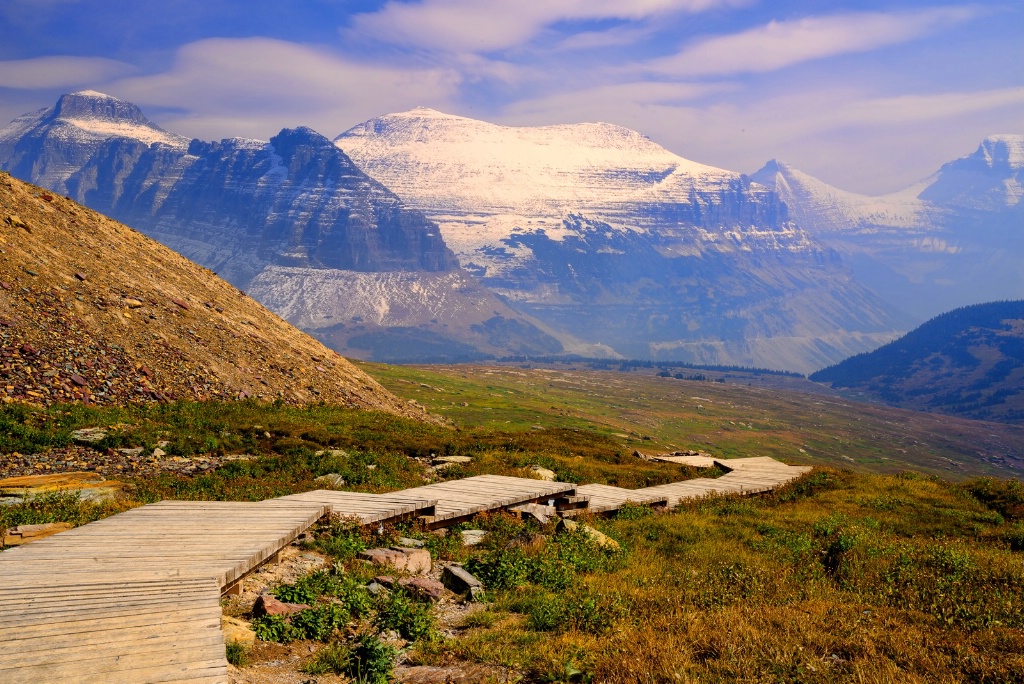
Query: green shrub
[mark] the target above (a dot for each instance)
(350, 593)
(320, 622)
(275, 628)
(317, 623)
(334, 658)
(372, 661)
(632, 511)
(413, 620)
(237, 654)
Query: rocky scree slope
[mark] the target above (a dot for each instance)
(968, 362)
(953, 239)
(599, 232)
(92, 310)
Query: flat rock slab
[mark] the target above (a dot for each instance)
(423, 587)
(472, 537)
(413, 561)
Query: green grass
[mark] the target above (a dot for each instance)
(815, 583)
(845, 575)
(638, 410)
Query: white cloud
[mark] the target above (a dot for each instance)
(779, 44)
(851, 138)
(256, 86)
(483, 26)
(42, 73)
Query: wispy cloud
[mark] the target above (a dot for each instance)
(255, 86)
(780, 44)
(475, 26)
(42, 73)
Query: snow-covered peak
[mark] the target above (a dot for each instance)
(94, 93)
(1004, 150)
(455, 164)
(92, 116)
(819, 207)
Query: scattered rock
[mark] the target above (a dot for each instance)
(237, 631)
(542, 473)
(80, 276)
(23, 534)
(601, 539)
(88, 435)
(423, 587)
(331, 480)
(374, 588)
(413, 561)
(461, 581)
(16, 221)
(538, 512)
(472, 537)
(268, 605)
(450, 460)
(158, 452)
(132, 303)
(180, 303)
(410, 543)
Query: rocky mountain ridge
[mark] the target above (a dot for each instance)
(951, 240)
(595, 230)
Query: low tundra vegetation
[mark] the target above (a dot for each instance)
(840, 577)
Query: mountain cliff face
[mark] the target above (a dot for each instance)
(951, 240)
(600, 232)
(47, 146)
(248, 209)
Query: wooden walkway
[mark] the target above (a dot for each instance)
(136, 597)
(459, 500)
(746, 476)
(606, 498)
(368, 508)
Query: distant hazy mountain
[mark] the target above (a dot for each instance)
(599, 232)
(955, 238)
(292, 219)
(968, 362)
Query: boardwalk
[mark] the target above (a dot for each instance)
(136, 597)
(459, 500)
(746, 476)
(605, 498)
(368, 508)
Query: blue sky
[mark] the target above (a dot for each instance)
(870, 96)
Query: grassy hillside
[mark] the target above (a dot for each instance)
(968, 362)
(639, 410)
(845, 575)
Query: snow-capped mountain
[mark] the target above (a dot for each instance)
(49, 145)
(286, 216)
(953, 239)
(598, 231)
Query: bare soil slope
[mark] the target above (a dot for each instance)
(92, 310)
